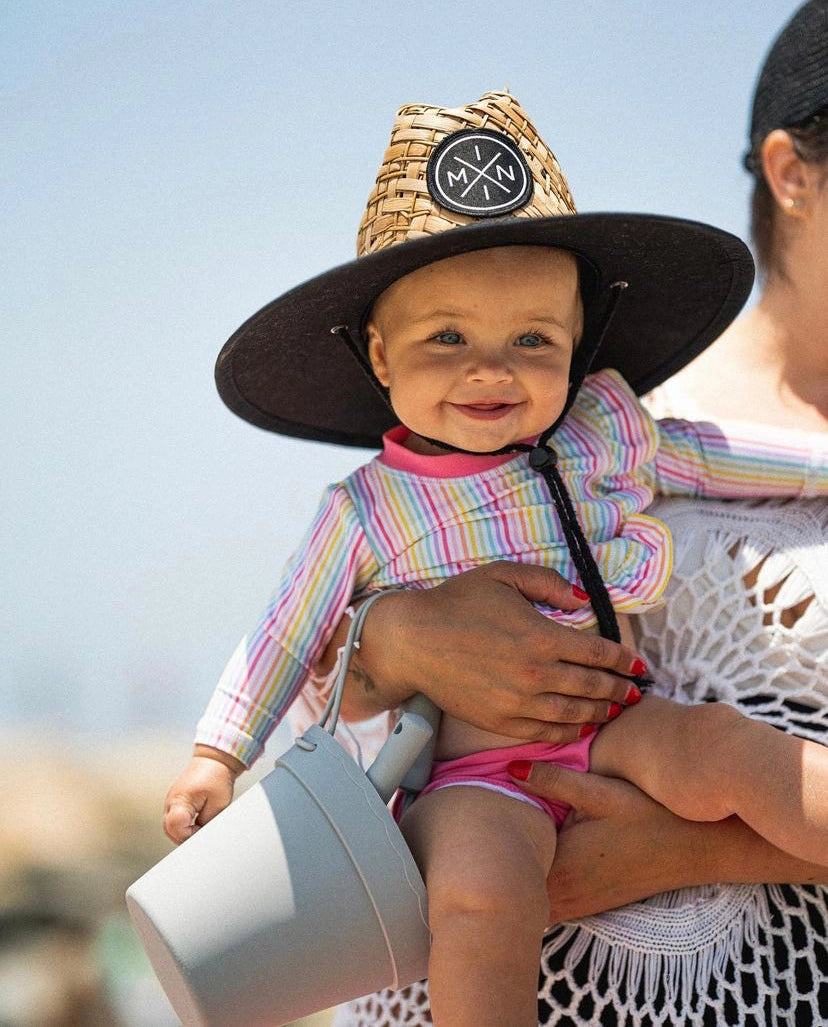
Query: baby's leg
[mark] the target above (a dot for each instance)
(484, 857)
(707, 762)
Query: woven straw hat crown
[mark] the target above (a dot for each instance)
(401, 208)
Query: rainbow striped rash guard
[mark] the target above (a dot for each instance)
(412, 520)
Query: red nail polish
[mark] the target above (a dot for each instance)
(586, 730)
(579, 593)
(615, 709)
(519, 769)
(633, 696)
(638, 667)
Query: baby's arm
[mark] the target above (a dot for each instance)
(730, 460)
(272, 663)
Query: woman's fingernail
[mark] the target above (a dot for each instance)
(586, 730)
(615, 709)
(633, 696)
(638, 667)
(519, 769)
(579, 593)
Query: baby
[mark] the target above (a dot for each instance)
(484, 352)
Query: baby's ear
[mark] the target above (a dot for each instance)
(376, 353)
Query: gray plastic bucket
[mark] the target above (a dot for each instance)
(300, 895)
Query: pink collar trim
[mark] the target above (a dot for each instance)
(451, 465)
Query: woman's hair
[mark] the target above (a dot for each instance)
(810, 140)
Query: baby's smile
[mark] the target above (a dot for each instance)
(489, 410)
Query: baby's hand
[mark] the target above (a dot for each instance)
(200, 792)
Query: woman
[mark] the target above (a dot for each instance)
(746, 621)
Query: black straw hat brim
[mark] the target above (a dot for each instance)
(283, 369)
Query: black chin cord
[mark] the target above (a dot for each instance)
(544, 460)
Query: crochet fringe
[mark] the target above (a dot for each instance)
(693, 948)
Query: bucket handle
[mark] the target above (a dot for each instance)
(405, 758)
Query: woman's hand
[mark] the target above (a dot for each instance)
(481, 652)
(619, 846)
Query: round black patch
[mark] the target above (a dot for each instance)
(480, 173)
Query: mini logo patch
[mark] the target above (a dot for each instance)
(480, 173)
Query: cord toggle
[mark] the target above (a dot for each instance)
(541, 458)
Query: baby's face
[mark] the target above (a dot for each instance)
(475, 349)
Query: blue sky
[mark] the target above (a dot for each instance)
(168, 168)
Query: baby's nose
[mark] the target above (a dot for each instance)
(490, 370)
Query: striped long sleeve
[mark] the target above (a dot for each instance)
(729, 460)
(271, 664)
(722, 460)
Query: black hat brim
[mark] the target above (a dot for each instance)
(284, 371)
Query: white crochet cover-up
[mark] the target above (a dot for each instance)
(745, 622)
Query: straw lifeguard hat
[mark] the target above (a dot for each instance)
(459, 179)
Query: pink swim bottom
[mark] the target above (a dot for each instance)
(487, 769)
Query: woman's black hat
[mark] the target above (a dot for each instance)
(793, 82)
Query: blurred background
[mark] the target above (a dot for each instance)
(168, 168)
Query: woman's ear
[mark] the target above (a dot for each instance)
(788, 176)
(376, 354)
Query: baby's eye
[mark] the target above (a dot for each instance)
(449, 338)
(531, 340)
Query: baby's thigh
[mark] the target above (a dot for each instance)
(683, 756)
(481, 850)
